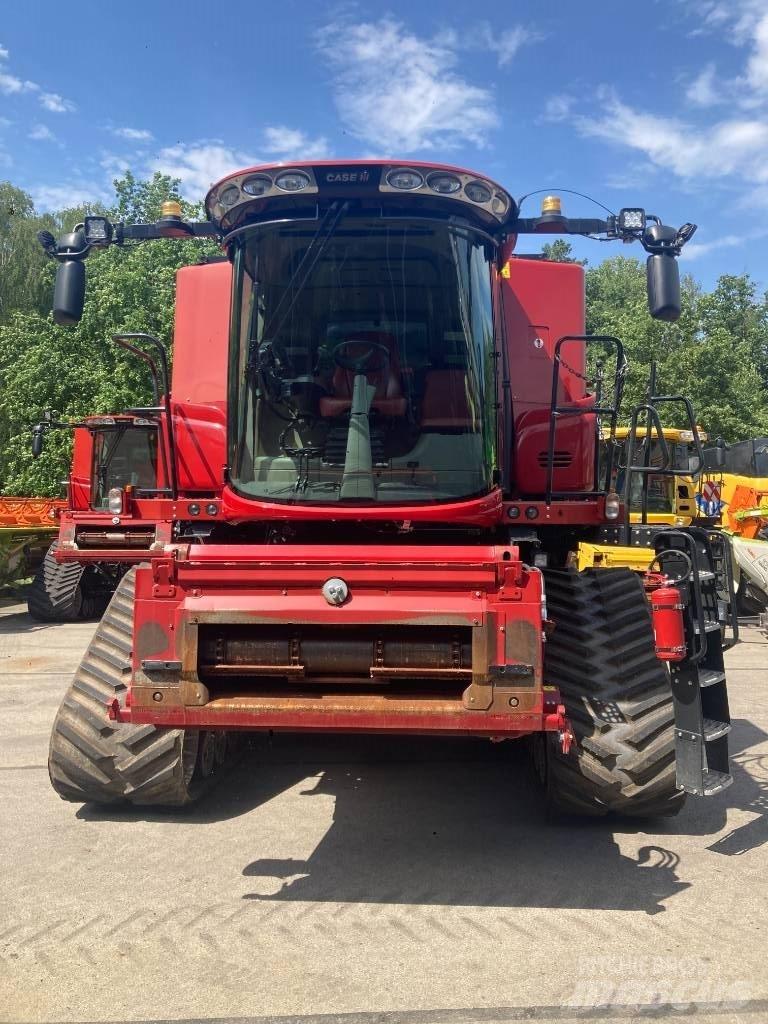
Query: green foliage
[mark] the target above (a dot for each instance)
(80, 371)
(716, 353)
(26, 276)
(560, 251)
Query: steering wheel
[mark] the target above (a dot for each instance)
(364, 363)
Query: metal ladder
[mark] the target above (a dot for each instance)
(699, 562)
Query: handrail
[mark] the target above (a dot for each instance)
(611, 411)
(124, 340)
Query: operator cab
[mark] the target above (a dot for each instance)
(124, 456)
(363, 365)
(670, 492)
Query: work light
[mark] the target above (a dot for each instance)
(478, 192)
(115, 500)
(257, 185)
(404, 179)
(98, 231)
(444, 183)
(631, 219)
(229, 196)
(612, 505)
(292, 181)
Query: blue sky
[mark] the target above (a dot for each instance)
(657, 104)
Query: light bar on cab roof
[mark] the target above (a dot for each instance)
(229, 201)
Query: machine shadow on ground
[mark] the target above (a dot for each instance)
(456, 822)
(15, 623)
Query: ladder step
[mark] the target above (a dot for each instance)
(709, 626)
(713, 729)
(706, 575)
(710, 677)
(715, 782)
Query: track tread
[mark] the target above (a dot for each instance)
(617, 694)
(93, 759)
(55, 594)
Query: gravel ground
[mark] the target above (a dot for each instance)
(372, 880)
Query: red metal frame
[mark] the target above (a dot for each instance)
(484, 589)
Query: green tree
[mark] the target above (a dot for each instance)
(723, 368)
(715, 354)
(80, 371)
(25, 274)
(560, 251)
(617, 305)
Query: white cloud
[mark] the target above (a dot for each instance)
(695, 250)
(68, 194)
(41, 133)
(293, 144)
(757, 65)
(115, 165)
(56, 104)
(399, 92)
(505, 44)
(133, 134)
(558, 108)
(738, 146)
(199, 165)
(12, 85)
(632, 176)
(702, 91)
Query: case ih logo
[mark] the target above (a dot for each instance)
(360, 177)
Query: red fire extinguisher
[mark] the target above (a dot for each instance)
(667, 615)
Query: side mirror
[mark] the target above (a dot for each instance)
(663, 279)
(37, 440)
(69, 293)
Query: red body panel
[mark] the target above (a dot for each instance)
(542, 303)
(80, 475)
(485, 511)
(199, 386)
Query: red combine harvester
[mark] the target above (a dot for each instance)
(378, 455)
(120, 463)
(108, 452)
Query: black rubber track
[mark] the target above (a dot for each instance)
(617, 695)
(93, 759)
(56, 594)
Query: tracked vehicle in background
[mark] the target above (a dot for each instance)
(383, 450)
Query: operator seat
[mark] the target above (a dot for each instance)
(445, 406)
(389, 399)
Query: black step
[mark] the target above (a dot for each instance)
(706, 575)
(710, 626)
(715, 782)
(710, 677)
(713, 729)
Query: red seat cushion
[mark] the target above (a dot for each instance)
(445, 402)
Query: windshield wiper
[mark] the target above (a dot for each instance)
(312, 254)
